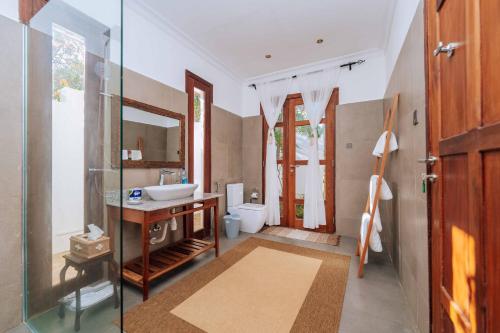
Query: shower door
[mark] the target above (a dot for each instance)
(72, 76)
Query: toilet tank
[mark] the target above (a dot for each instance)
(234, 195)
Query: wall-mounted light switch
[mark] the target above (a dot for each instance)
(348, 145)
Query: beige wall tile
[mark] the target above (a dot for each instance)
(409, 244)
(360, 125)
(252, 156)
(11, 111)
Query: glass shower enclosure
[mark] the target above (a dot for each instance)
(73, 66)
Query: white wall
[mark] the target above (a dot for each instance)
(365, 82)
(403, 14)
(10, 9)
(151, 48)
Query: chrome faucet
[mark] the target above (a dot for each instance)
(164, 172)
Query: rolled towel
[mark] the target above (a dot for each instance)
(385, 194)
(379, 147)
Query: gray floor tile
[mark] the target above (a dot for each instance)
(372, 304)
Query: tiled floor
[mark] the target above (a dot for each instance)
(372, 304)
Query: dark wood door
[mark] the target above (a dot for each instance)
(200, 98)
(464, 131)
(292, 133)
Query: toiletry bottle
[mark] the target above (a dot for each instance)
(184, 179)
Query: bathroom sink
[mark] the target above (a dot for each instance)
(170, 192)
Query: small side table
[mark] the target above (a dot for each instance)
(80, 265)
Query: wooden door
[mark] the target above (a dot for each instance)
(464, 132)
(292, 133)
(200, 97)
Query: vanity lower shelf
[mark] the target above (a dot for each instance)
(164, 260)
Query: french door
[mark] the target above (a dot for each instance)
(293, 133)
(464, 121)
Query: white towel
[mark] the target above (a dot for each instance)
(124, 154)
(375, 241)
(85, 290)
(89, 299)
(379, 147)
(385, 194)
(136, 155)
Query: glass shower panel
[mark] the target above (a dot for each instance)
(72, 110)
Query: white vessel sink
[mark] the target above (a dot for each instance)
(170, 192)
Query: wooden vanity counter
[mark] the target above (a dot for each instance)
(150, 266)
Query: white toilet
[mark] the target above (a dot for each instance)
(253, 216)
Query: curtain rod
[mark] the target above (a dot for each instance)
(349, 64)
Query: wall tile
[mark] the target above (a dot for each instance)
(409, 250)
(11, 173)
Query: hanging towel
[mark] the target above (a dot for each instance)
(385, 194)
(379, 147)
(375, 241)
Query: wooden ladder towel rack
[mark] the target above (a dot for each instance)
(380, 162)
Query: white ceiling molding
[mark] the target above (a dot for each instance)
(327, 63)
(144, 10)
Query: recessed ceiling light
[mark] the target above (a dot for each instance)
(268, 56)
(319, 41)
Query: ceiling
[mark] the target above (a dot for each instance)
(239, 33)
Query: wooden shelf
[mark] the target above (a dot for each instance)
(164, 260)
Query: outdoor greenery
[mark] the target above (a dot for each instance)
(197, 108)
(68, 61)
(299, 211)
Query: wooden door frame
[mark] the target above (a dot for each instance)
(430, 99)
(194, 81)
(330, 140)
(29, 8)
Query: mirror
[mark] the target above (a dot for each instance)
(152, 137)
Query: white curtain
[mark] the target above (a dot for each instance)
(272, 96)
(316, 90)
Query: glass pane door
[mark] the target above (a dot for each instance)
(199, 163)
(293, 135)
(199, 148)
(73, 101)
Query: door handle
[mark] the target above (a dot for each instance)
(431, 160)
(449, 49)
(430, 177)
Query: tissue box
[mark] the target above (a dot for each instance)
(83, 247)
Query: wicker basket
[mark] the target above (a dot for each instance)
(83, 247)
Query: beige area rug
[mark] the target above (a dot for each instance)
(311, 236)
(258, 286)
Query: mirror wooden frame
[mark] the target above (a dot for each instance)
(115, 129)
